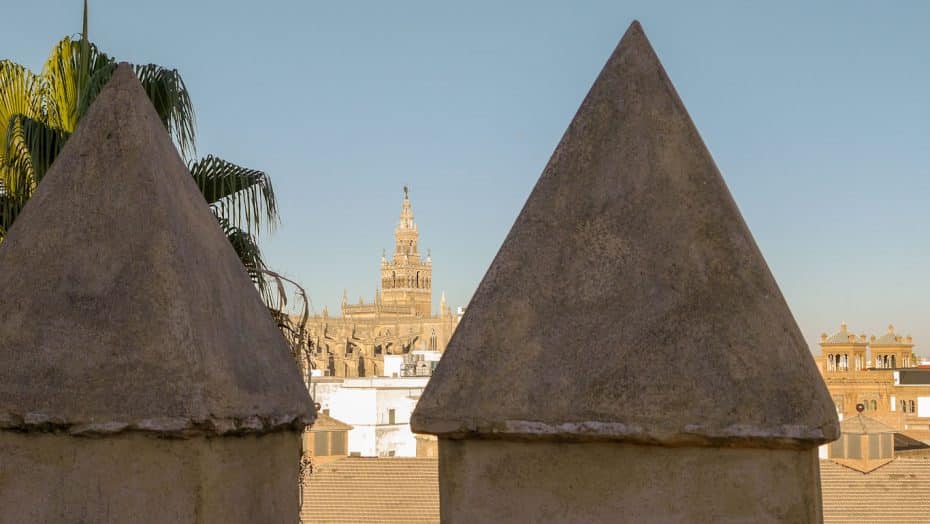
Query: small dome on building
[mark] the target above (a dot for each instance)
(842, 337)
(890, 338)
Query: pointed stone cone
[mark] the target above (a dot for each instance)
(126, 316)
(628, 306)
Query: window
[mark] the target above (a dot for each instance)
(874, 445)
(887, 445)
(874, 405)
(391, 416)
(321, 443)
(911, 406)
(337, 443)
(853, 446)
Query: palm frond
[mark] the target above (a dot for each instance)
(20, 94)
(243, 196)
(39, 145)
(169, 95)
(94, 85)
(66, 76)
(16, 169)
(291, 319)
(10, 208)
(247, 251)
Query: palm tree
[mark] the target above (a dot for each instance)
(38, 112)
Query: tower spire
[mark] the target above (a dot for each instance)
(407, 279)
(406, 213)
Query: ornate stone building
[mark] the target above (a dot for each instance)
(880, 372)
(398, 321)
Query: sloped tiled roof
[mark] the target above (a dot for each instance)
(373, 490)
(863, 425)
(324, 422)
(903, 442)
(894, 493)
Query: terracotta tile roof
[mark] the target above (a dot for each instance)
(893, 493)
(375, 490)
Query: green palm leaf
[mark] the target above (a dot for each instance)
(20, 94)
(36, 144)
(241, 195)
(66, 75)
(10, 207)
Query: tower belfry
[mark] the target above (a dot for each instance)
(405, 278)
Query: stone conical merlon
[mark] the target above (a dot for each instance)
(124, 307)
(629, 301)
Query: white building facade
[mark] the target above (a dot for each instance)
(377, 408)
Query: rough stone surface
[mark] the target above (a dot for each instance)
(629, 301)
(504, 481)
(133, 477)
(124, 307)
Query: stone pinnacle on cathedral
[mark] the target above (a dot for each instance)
(406, 212)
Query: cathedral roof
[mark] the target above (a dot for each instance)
(124, 307)
(629, 302)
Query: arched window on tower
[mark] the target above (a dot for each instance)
(433, 343)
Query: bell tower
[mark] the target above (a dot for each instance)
(406, 279)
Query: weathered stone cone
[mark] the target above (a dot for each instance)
(124, 307)
(629, 301)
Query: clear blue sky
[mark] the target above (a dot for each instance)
(818, 114)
